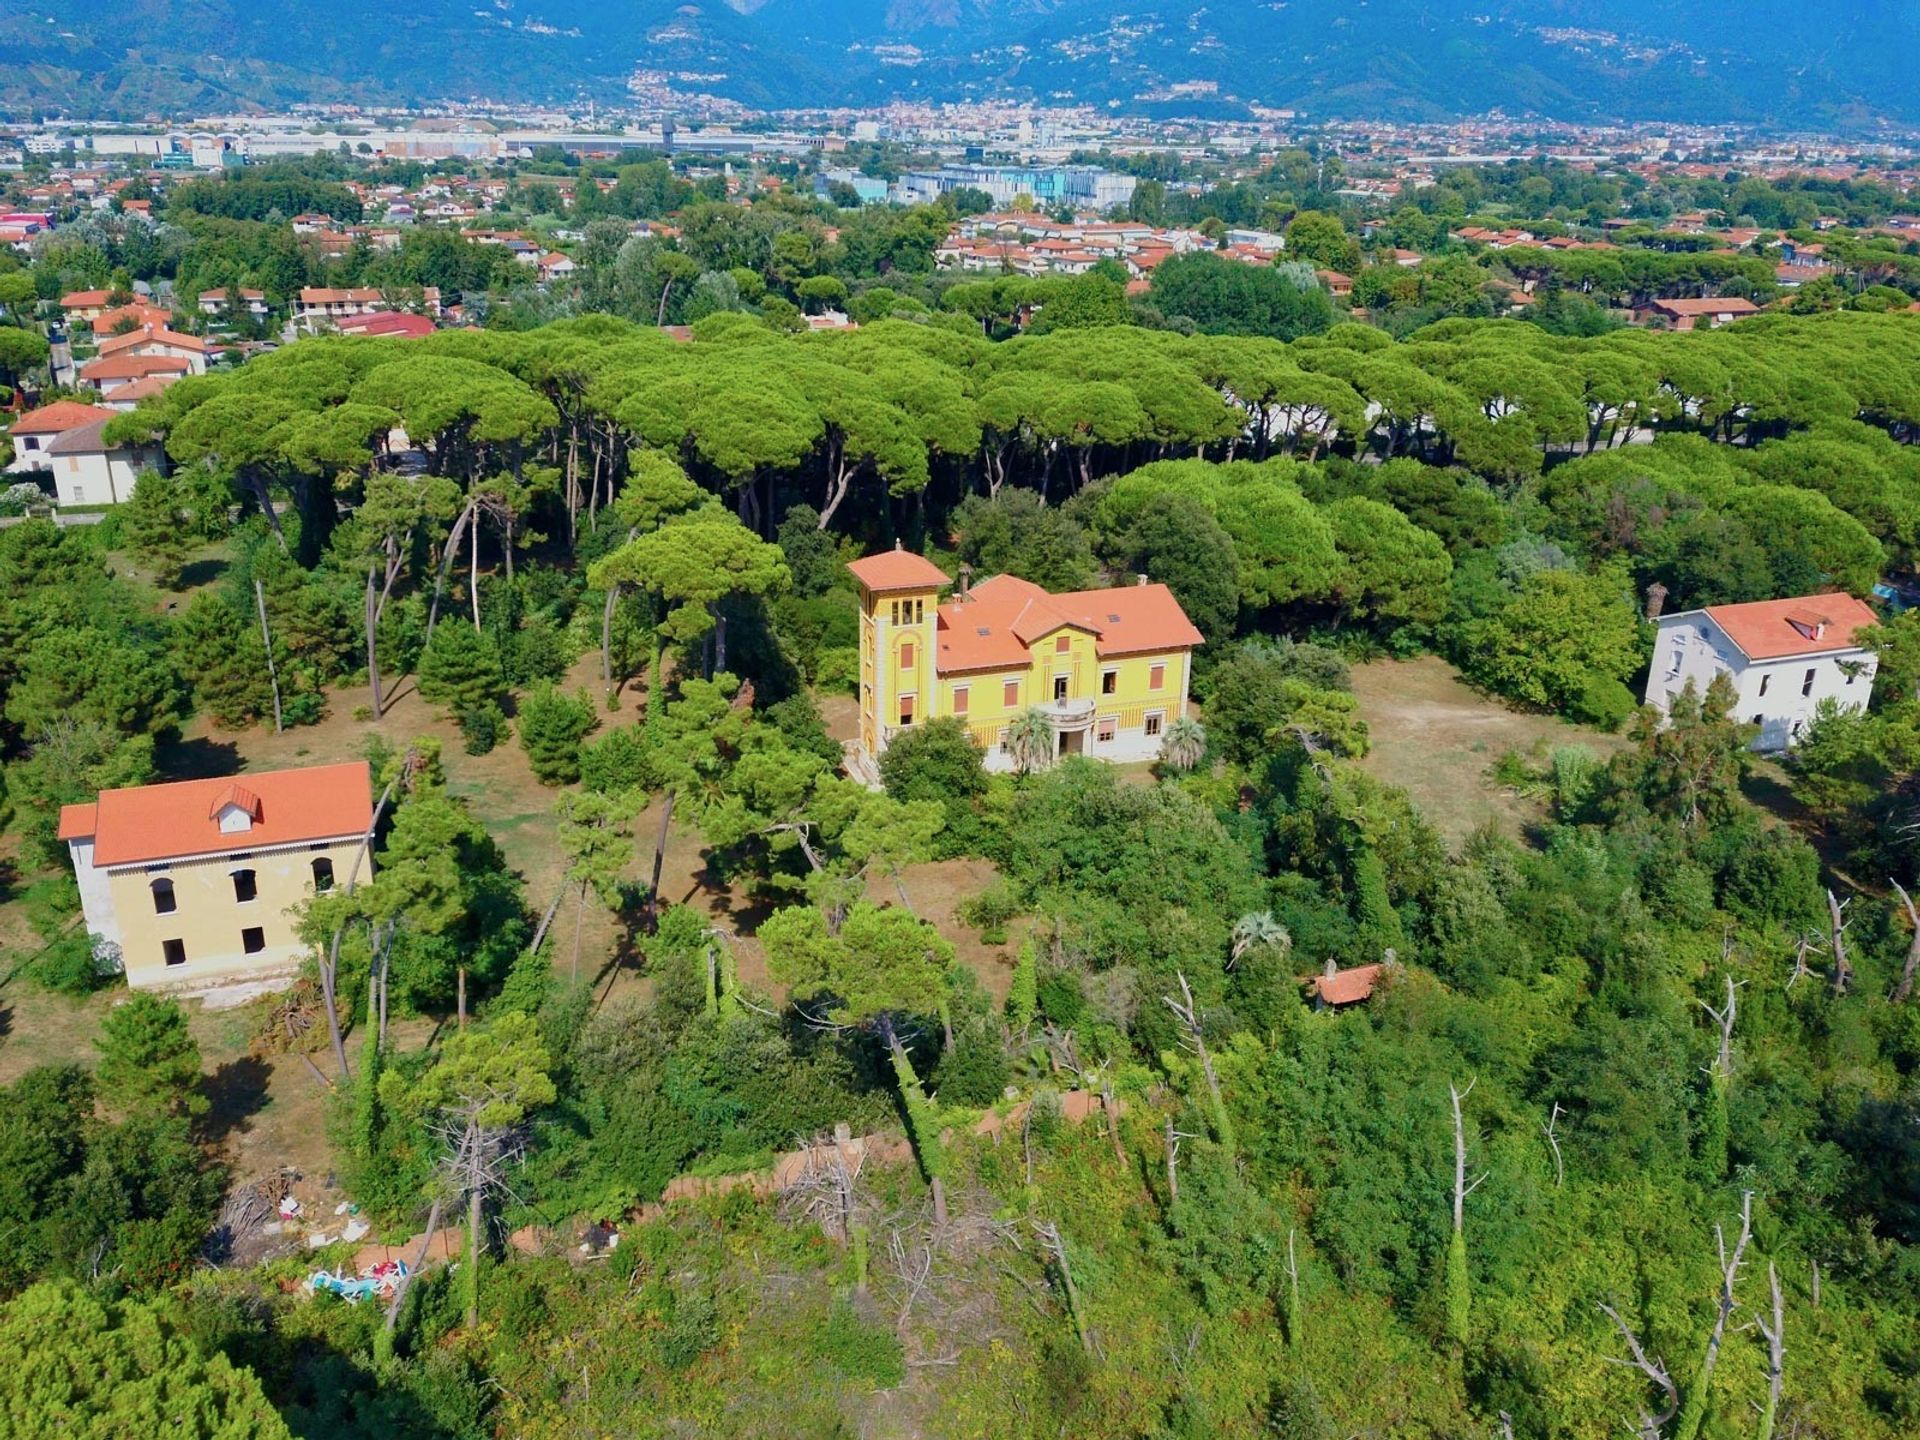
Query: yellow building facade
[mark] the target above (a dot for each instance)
(199, 882)
(1108, 668)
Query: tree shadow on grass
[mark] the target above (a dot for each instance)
(200, 759)
(201, 572)
(235, 1092)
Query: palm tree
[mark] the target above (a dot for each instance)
(1184, 745)
(1030, 740)
(1258, 930)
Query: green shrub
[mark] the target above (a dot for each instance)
(837, 670)
(480, 724)
(552, 725)
(860, 1349)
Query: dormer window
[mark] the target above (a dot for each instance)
(236, 810)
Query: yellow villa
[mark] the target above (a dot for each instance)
(1109, 668)
(194, 883)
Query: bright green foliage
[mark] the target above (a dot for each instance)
(551, 726)
(148, 1060)
(1565, 641)
(1225, 297)
(91, 1369)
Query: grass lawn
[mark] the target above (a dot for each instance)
(1435, 737)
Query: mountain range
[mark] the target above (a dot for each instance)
(1844, 65)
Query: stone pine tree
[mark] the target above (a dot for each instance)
(878, 974)
(692, 565)
(594, 836)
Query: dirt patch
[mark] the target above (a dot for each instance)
(1436, 737)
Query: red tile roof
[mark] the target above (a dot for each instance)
(60, 416)
(387, 322)
(177, 821)
(1348, 987)
(84, 299)
(1731, 305)
(153, 334)
(995, 627)
(141, 314)
(1804, 625)
(133, 367)
(898, 569)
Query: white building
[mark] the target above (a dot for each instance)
(1783, 658)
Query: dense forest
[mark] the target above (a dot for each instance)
(1627, 1134)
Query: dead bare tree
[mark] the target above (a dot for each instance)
(1801, 949)
(1904, 989)
(1174, 1137)
(1650, 1426)
(1188, 1014)
(1774, 1333)
(1722, 1067)
(1837, 925)
(1694, 1411)
(1461, 1187)
(1553, 1140)
(824, 1192)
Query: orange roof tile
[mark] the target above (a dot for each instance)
(898, 569)
(156, 334)
(60, 416)
(174, 822)
(141, 314)
(1803, 625)
(133, 367)
(1348, 987)
(995, 627)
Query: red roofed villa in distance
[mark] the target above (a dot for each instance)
(194, 881)
(1346, 987)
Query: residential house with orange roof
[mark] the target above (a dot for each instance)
(84, 304)
(1783, 658)
(1109, 669)
(122, 318)
(110, 372)
(159, 340)
(196, 882)
(34, 431)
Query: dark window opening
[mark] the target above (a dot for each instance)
(164, 902)
(1806, 685)
(323, 873)
(175, 951)
(245, 887)
(1059, 687)
(253, 939)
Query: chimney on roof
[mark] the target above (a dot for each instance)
(966, 582)
(1656, 600)
(1140, 579)
(1333, 968)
